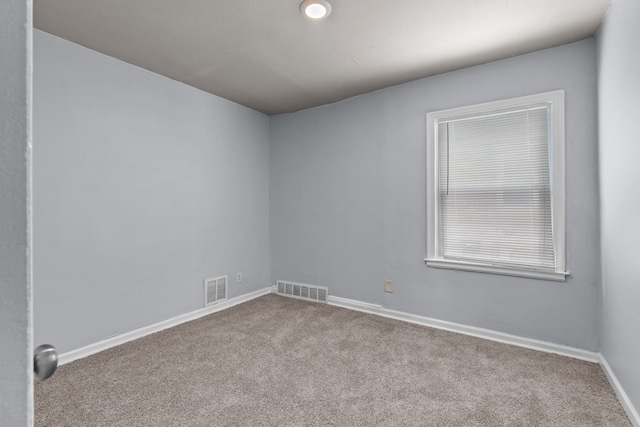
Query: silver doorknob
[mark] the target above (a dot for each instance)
(45, 361)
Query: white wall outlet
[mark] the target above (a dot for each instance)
(238, 277)
(388, 286)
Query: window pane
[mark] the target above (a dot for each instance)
(494, 189)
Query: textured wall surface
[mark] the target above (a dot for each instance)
(619, 92)
(143, 187)
(16, 368)
(348, 200)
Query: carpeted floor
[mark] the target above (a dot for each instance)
(275, 361)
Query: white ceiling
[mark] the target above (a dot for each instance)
(265, 55)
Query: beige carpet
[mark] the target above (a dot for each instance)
(275, 361)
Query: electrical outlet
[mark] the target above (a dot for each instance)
(388, 286)
(238, 277)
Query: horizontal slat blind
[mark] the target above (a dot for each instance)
(494, 189)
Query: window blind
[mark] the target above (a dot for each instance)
(494, 189)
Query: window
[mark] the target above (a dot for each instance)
(495, 187)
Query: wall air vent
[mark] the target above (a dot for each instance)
(215, 290)
(302, 291)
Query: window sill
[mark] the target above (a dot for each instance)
(480, 268)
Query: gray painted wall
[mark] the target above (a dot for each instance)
(619, 92)
(16, 366)
(347, 187)
(143, 187)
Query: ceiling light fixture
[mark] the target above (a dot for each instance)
(315, 9)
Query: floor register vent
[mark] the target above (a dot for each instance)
(302, 291)
(215, 290)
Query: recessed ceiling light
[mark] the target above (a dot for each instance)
(315, 9)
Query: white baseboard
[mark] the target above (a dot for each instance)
(628, 407)
(141, 332)
(487, 334)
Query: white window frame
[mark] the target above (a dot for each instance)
(557, 169)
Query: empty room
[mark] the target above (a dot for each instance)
(320, 212)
